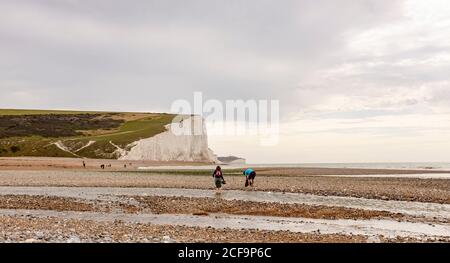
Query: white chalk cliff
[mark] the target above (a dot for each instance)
(186, 141)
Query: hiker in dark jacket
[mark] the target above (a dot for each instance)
(218, 177)
(250, 175)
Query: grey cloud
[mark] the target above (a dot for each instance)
(144, 54)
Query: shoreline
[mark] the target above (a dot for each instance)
(387, 188)
(62, 163)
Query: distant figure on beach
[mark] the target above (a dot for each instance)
(218, 178)
(125, 166)
(109, 165)
(84, 164)
(102, 166)
(250, 175)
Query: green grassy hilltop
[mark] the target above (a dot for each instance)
(74, 133)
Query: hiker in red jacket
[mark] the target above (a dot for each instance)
(218, 178)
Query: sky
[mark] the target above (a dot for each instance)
(357, 81)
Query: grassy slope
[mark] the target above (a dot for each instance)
(36, 112)
(135, 127)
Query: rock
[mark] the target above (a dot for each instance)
(30, 240)
(167, 239)
(373, 239)
(73, 239)
(177, 143)
(40, 235)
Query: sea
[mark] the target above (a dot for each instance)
(426, 166)
(373, 165)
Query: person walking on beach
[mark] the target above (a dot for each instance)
(250, 175)
(218, 178)
(84, 164)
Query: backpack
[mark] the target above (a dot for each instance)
(217, 173)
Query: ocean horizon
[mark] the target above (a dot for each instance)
(371, 165)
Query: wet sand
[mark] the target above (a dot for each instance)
(404, 189)
(387, 229)
(188, 205)
(206, 206)
(57, 229)
(45, 203)
(100, 195)
(57, 200)
(210, 210)
(51, 163)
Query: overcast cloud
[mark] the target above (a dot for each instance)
(367, 79)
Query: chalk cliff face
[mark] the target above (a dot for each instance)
(184, 141)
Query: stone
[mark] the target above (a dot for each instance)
(167, 239)
(30, 240)
(73, 239)
(40, 235)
